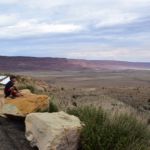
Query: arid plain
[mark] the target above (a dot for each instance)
(110, 89)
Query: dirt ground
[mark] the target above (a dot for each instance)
(129, 86)
(12, 135)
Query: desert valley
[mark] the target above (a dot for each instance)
(112, 85)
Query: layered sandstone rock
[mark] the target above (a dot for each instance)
(28, 103)
(53, 131)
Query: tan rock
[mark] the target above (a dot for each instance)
(26, 92)
(2, 101)
(53, 131)
(28, 103)
(1, 93)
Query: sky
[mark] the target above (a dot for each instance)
(80, 29)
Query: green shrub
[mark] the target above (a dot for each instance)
(27, 86)
(101, 132)
(52, 106)
(31, 88)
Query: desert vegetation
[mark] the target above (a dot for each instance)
(105, 132)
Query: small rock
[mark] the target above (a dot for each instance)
(148, 101)
(146, 107)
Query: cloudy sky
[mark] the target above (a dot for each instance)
(88, 29)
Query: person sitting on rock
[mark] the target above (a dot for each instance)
(10, 90)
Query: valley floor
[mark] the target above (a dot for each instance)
(131, 87)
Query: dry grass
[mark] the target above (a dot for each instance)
(118, 132)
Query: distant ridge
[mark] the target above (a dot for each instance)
(20, 63)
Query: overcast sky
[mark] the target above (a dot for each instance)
(88, 29)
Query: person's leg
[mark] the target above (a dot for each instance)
(7, 93)
(15, 93)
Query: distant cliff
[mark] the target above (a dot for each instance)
(59, 64)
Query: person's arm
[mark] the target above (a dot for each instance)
(15, 88)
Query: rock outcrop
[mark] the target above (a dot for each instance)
(1, 105)
(53, 131)
(28, 103)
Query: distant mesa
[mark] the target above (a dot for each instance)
(58, 64)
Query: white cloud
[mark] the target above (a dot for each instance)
(8, 1)
(87, 3)
(98, 13)
(134, 3)
(34, 28)
(116, 18)
(9, 19)
(44, 4)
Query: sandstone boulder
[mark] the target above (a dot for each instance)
(1, 105)
(28, 103)
(53, 131)
(2, 101)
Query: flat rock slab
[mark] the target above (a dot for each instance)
(53, 131)
(28, 103)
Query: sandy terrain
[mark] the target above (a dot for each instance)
(131, 87)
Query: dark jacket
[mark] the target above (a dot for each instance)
(7, 89)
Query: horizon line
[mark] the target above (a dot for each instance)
(74, 58)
